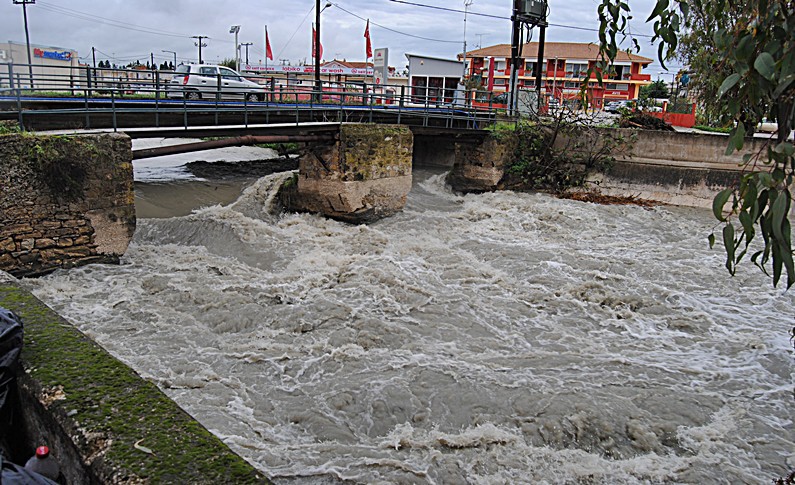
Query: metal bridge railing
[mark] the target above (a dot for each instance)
(91, 94)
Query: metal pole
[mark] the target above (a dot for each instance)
(175, 57)
(27, 35)
(467, 3)
(517, 25)
(246, 44)
(318, 86)
(540, 62)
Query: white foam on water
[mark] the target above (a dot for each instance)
(493, 338)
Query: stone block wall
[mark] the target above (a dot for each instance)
(481, 167)
(363, 176)
(64, 201)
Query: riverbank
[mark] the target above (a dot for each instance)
(101, 420)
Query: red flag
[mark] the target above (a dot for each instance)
(369, 48)
(268, 51)
(316, 53)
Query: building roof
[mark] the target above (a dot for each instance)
(562, 50)
(350, 64)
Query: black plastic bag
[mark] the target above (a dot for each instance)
(10, 348)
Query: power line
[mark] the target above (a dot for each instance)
(397, 31)
(500, 17)
(296, 31)
(102, 20)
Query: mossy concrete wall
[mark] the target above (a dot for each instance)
(363, 176)
(676, 168)
(92, 410)
(64, 201)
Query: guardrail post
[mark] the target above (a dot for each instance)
(157, 99)
(19, 94)
(217, 96)
(89, 81)
(113, 107)
(271, 88)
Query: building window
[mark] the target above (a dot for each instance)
(499, 82)
(616, 87)
(530, 68)
(501, 65)
(576, 70)
(571, 85)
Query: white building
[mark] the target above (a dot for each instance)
(53, 67)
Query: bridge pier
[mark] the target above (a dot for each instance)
(363, 176)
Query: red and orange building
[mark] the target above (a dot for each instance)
(564, 66)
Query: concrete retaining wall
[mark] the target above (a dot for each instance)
(64, 201)
(669, 167)
(92, 410)
(686, 169)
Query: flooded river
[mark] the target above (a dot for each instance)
(493, 339)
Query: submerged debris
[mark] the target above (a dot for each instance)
(599, 198)
(644, 122)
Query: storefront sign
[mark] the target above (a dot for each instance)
(343, 71)
(56, 55)
(380, 62)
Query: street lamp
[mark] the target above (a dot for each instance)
(235, 29)
(24, 4)
(175, 57)
(318, 11)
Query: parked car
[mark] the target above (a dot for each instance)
(202, 81)
(615, 106)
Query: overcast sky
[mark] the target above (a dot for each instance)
(129, 30)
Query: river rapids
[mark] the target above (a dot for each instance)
(500, 338)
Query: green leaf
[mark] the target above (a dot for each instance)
(728, 244)
(711, 240)
(749, 198)
(783, 84)
(785, 148)
(777, 213)
(719, 201)
(745, 47)
(748, 227)
(765, 65)
(727, 83)
(658, 9)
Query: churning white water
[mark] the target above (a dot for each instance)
(499, 338)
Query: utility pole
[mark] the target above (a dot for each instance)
(200, 44)
(235, 29)
(152, 61)
(24, 4)
(318, 86)
(246, 44)
(467, 3)
(515, 34)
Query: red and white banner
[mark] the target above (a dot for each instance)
(344, 71)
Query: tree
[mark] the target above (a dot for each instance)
(754, 57)
(656, 90)
(230, 63)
